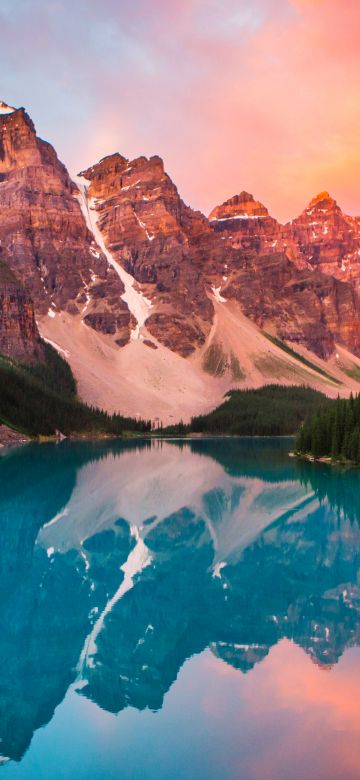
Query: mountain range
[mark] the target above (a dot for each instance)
(159, 309)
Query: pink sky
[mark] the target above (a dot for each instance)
(308, 717)
(259, 95)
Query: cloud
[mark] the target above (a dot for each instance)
(233, 95)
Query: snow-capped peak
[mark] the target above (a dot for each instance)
(5, 109)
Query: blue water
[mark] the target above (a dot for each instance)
(177, 611)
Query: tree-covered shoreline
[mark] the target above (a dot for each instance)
(40, 400)
(271, 410)
(333, 432)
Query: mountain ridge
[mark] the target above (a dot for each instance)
(140, 292)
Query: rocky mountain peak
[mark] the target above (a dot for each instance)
(45, 238)
(149, 232)
(242, 206)
(18, 146)
(328, 239)
(111, 164)
(115, 173)
(122, 255)
(322, 202)
(245, 224)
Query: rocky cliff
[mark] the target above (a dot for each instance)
(147, 297)
(292, 279)
(245, 223)
(328, 239)
(166, 246)
(19, 336)
(44, 233)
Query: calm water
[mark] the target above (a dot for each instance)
(178, 611)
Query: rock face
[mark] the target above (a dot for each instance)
(322, 237)
(300, 306)
(283, 282)
(44, 233)
(120, 253)
(245, 223)
(166, 246)
(328, 239)
(19, 336)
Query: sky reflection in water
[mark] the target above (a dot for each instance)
(178, 610)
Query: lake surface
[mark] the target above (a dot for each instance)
(177, 610)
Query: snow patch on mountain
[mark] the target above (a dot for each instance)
(143, 226)
(5, 109)
(139, 306)
(218, 297)
(237, 216)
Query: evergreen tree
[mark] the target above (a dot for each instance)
(334, 430)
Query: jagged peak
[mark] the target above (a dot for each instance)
(117, 163)
(115, 156)
(322, 198)
(241, 206)
(13, 117)
(111, 161)
(244, 197)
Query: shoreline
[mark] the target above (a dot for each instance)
(326, 459)
(10, 438)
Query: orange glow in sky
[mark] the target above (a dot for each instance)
(310, 716)
(261, 96)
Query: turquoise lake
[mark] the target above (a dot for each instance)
(178, 610)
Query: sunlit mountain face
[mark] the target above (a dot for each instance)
(120, 562)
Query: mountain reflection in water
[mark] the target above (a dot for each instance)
(118, 562)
